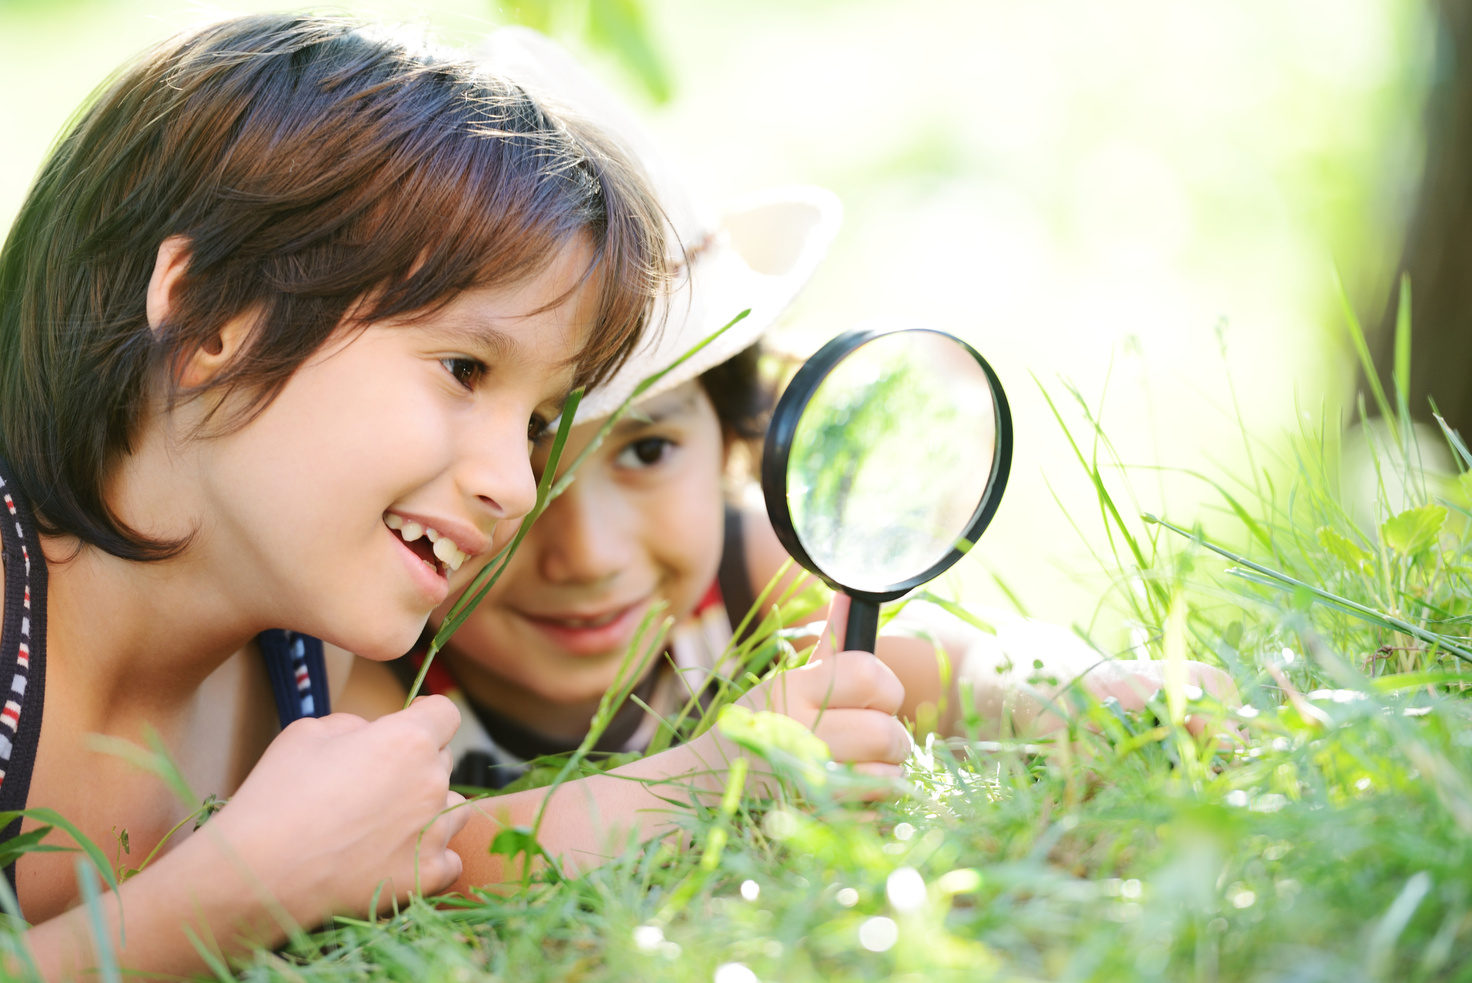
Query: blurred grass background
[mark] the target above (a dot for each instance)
(1143, 197)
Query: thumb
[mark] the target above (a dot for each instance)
(832, 638)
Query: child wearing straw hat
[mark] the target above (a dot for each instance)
(651, 528)
(283, 283)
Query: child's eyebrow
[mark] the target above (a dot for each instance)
(479, 337)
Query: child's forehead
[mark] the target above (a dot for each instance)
(544, 317)
(682, 402)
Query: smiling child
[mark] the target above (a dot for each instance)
(282, 281)
(655, 517)
(286, 295)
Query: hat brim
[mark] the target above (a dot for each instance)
(765, 250)
(757, 255)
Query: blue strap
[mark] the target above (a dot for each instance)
(298, 674)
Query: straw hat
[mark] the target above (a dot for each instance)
(756, 253)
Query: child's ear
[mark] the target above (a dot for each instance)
(206, 361)
(171, 263)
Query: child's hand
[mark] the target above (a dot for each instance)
(1133, 681)
(849, 699)
(338, 808)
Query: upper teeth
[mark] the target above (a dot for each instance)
(444, 546)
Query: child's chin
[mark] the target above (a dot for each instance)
(388, 642)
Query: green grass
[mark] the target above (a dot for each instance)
(1332, 842)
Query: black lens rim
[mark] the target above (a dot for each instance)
(777, 449)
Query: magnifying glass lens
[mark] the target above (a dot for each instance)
(886, 458)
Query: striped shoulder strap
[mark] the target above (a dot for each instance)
(298, 674)
(22, 652)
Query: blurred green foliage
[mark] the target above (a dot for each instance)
(620, 27)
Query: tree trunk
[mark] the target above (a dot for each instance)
(1438, 245)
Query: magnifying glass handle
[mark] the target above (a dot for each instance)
(862, 625)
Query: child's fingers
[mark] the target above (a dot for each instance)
(439, 866)
(848, 679)
(332, 725)
(439, 869)
(883, 785)
(864, 736)
(1218, 684)
(455, 815)
(831, 639)
(1228, 733)
(437, 715)
(853, 679)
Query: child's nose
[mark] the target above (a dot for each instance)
(499, 475)
(582, 538)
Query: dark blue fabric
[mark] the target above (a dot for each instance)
(25, 623)
(276, 649)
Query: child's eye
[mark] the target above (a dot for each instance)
(467, 371)
(645, 452)
(537, 429)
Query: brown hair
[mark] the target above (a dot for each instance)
(743, 399)
(316, 171)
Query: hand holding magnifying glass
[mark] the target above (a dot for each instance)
(886, 458)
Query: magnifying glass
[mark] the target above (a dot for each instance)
(886, 457)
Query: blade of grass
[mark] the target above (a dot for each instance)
(1344, 603)
(1357, 337)
(1402, 372)
(102, 947)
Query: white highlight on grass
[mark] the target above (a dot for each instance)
(734, 973)
(1241, 896)
(1338, 695)
(847, 897)
(779, 824)
(648, 937)
(879, 934)
(1130, 888)
(904, 831)
(1288, 656)
(906, 890)
(750, 890)
(1269, 802)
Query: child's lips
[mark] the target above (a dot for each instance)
(431, 580)
(442, 547)
(591, 633)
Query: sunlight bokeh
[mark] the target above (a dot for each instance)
(1145, 198)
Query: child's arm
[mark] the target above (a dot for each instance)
(996, 668)
(337, 810)
(1012, 694)
(848, 699)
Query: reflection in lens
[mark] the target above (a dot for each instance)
(891, 458)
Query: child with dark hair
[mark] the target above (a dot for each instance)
(285, 289)
(655, 517)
